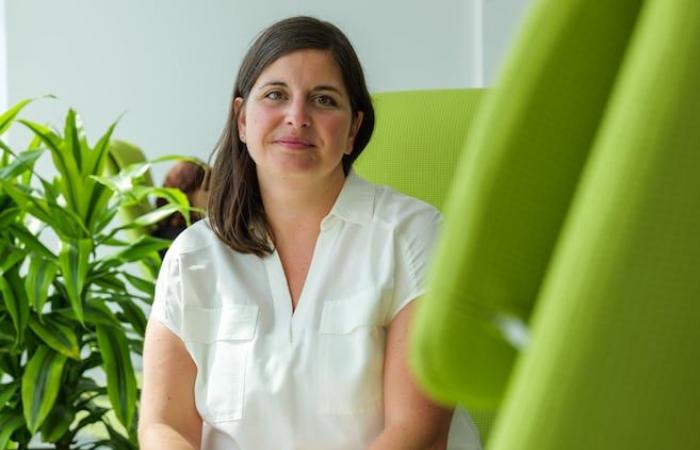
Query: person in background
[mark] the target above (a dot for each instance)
(189, 178)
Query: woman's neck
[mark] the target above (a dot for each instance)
(296, 207)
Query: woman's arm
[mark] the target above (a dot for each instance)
(411, 420)
(168, 416)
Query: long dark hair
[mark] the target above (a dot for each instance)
(236, 212)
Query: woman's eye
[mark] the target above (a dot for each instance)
(274, 95)
(325, 100)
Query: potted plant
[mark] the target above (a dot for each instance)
(70, 309)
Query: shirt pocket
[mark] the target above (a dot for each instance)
(219, 340)
(352, 339)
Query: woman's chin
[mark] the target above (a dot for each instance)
(295, 164)
(298, 170)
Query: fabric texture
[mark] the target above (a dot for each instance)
(272, 378)
(418, 140)
(571, 233)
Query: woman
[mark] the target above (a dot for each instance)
(281, 322)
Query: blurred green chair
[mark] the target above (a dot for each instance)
(416, 147)
(565, 289)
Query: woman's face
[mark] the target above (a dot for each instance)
(297, 120)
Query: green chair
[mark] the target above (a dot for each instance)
(565, 287)
(416, 147)
(418, 140)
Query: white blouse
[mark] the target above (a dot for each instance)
(270, 378)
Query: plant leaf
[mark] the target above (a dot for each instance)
(98, 157)
(99, 194)
(40, 385)
(56, 335)
(112, 241)
(127, 178)
(93, 314)
(63, 161)
(41, 209)
(50, 192)
(153, 217)
(30, 241)
(24, 162)
(9, 422)
(135, 316)
(8, 116)
(145, 286)
(16, 301)
(7, 338)
(73, 261)
(106, 279)
(39, 277)
(57, 423)
(136, 345)
(95, 415)
(140, 249)
(98, 202)
(66, 222)
(119, 441)
(9, 364)
(72, 135)
(121, 382)
(7, 390)
(65, 164)
(8, 216)
(104, 218)
(172, 195)
(62, 219)
(11, 255)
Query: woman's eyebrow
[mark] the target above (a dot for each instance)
(320, 87)
(328, 87)
(273, 83)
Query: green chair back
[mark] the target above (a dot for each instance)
(418, 140)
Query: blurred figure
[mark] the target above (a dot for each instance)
(189, 178)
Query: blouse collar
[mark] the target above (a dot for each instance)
(355, 203)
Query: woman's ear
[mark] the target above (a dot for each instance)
(354, 129)
(240, 117)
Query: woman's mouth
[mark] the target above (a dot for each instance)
(293, 143)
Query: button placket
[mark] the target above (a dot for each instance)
(281, 301)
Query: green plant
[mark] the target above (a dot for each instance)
(69, 311)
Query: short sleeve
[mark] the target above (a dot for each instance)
(167, 304)
(415, 241)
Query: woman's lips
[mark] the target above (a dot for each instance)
(293, 143)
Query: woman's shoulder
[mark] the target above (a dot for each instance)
(403, 211)
(196, 237)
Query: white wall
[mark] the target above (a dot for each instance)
(3, 59)
(170, 64)
(500, 26)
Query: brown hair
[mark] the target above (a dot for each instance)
(236, 212)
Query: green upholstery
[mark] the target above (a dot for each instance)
(418, 140)
(572, 231)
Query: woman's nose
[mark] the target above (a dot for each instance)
(297, 114)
